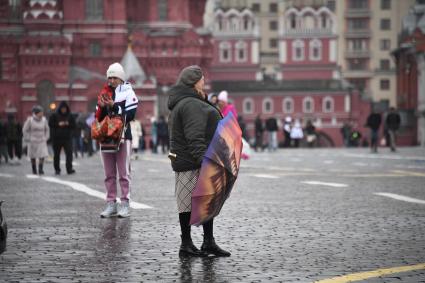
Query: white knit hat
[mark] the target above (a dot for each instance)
(116, 70)
(222, 96)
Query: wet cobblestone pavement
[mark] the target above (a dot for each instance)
(294, 216)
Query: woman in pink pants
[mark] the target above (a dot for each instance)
(117, 98)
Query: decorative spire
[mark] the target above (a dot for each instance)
(132, 66)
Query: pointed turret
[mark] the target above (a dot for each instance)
(132, 67)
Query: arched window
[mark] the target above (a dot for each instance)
(248, 106)
(293, 21)
(219, 23)
(308, 105)
(241, 51)
(246, 23)
(324, 23)
(225, 52)
(288, 105)
(298, 50)
(267, 106)
(315, 50)
(328, 104)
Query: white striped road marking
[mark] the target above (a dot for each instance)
(84, 189)
(328, 161)
(265, 176)
(337, 185)
(32, 176)
(6, 175)
(402, 198)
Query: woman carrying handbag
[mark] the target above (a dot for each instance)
(118, 101)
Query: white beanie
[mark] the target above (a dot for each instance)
(116, 70)
(222, 96)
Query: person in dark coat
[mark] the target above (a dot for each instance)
(392, 123)
(374, 122)
(3, 143)
(162, 128)
(271, 127)
(62, 125)
(192, 124)
(259, 129)
(14, 137)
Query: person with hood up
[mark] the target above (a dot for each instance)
(192, 124)
(62, 125)
(36, 133)
(225, 106)
(117, 97)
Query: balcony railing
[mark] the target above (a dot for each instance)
(358, 13)
(357, 54)
(312, 31)
(358, 33)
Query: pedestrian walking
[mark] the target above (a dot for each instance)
(297, 134)
(36, 133)
(392, 123)
(154, 135)
(136, 133)
(287, 132)
(310, 132)
(62, 127)
(14, 138)
(162, 127)
(259, 129)
(346, 133)
(193, 121)
(224, 105)
(3, 143)
(271, 127)
(374, 122)
(117, 98)
(213, 99)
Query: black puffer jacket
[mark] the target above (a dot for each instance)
(65, 131)
(192, 124)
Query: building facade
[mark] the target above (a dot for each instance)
(410, 66)
(59, 50)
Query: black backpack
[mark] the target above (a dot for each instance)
(3, 231)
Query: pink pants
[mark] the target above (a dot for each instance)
(117, 161)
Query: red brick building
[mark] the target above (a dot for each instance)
(59, 50)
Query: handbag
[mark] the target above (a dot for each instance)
(99, 129)
(110, 127)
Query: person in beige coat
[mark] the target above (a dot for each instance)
(36, 133)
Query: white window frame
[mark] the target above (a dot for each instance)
(265, 101)
(225, 45)
(245, 109)
(298, 44)
(332, 103)
(305, 100)
(315, 43)
(285, 100)
(241, 45)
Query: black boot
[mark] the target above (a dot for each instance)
(187, 248)
(209, 246)
(34, 166)
(40, 168)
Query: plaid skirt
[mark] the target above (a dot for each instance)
(185, 183)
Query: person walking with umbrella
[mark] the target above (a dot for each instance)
(192, 124)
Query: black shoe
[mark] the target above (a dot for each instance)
(57, 172)
(187, 248)
(72, 171)
(40, 170)
(209, 246)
